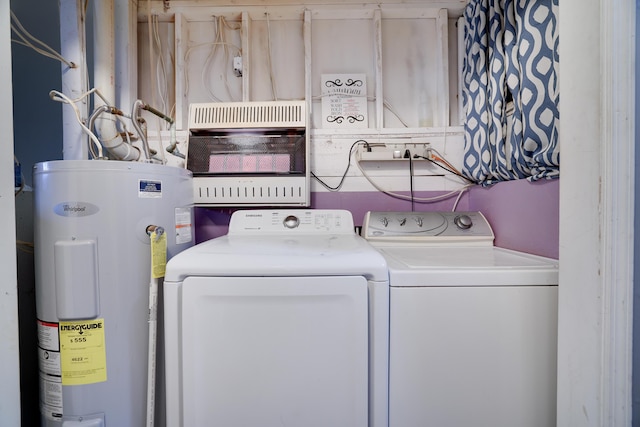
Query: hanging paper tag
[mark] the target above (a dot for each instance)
(158, 253)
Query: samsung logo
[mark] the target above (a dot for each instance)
(75, 209)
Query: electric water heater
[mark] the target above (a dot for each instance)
(93, 275)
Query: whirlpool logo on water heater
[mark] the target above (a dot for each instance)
(75, 209)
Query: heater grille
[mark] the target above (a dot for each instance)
(221, 191)
(236, 153)
(239, 115)
(249, 153)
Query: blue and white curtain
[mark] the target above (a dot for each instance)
(510, 90)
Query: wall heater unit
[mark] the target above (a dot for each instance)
(249, 153)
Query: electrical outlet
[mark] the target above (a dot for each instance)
(237, 66)
(397, 151)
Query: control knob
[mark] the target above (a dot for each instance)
(291, 221)
(463, 222)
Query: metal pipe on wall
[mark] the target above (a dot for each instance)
(74, 80)
(105, 80)
(126, 57)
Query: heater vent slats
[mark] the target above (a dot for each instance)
(288, 191)
(235, 115)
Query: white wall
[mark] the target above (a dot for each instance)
(407, 53)
(9, 364)
(596, 212)
(636, 298)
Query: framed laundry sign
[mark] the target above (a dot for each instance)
(344, 101)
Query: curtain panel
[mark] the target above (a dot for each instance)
(510, 90)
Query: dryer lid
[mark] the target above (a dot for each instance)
(288, 242)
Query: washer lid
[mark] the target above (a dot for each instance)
(467, 266)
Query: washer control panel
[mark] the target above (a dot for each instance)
(427, 227)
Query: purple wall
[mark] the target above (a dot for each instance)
(524, 215)
(213, 222)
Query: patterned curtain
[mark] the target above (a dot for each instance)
(510, 90)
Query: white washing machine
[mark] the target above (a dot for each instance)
(473, 327)
(282, 322)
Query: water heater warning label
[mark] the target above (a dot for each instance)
(50, 397)
(183, 225)
(82, 352)
(50, 371)
(148, 189)
(48, 348)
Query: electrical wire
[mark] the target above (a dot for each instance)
(450, 170)
(413, 206)
(455, 204)
(459, 192)
(83, 47)
(416, 199)
(405, 197)
(439, 157)
(411, 197)
(124, 129)
(92, 118)
(219, 41)
(60, 97)
(205, 68)
(186, 60)
(389, 107)
(207, 44)
(161, 71)
(151, 45)
(227, 59)
(153, 38)
(162, 83)
(274, 92)
(344, 175)
(26, 39)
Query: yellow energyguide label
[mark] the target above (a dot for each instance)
(83, 355)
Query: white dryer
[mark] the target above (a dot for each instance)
(473, 327)
(283, 321)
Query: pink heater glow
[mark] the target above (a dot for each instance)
(247, 163)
